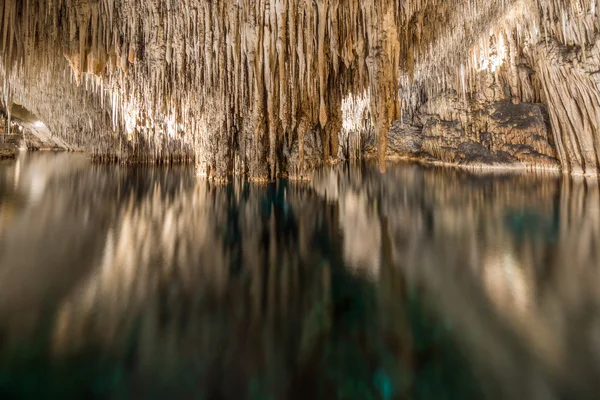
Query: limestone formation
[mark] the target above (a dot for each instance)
(266, 88)
(526, 51)
(7, 148)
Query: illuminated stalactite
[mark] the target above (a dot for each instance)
(238, 85)
(256, 88)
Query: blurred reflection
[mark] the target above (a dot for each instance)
(416, 283)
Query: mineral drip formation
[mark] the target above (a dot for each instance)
(268, 88)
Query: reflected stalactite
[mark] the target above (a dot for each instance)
(188, 267)
(378, 278)
(509, 258)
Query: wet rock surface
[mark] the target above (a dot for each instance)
(500, 134)
(7, 152)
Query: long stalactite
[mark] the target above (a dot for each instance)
(265, 88)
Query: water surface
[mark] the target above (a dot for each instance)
(420, 283)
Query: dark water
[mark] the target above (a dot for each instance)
(422, 283)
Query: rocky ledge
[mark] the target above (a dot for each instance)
(6, 152)
(500, 134)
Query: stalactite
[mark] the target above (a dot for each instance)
(269, 64)
(143, 81)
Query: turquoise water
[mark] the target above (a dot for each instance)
(419, 283)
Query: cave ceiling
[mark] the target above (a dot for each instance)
(256, 87)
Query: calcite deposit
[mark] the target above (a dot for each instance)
(267, 88)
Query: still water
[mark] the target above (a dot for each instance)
(420, 283)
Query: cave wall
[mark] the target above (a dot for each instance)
(522, 92)
(276, 87)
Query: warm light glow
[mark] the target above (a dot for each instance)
(492, 59)
(39, 124)
(354, 111)
(130, 112)
(171, 125)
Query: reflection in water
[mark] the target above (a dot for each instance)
(418, 283)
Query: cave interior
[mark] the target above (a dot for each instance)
(275, 88)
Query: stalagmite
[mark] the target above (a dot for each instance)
(260, 87)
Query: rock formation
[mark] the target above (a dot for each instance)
(6, 149)
(274, 87)
(502, 82)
